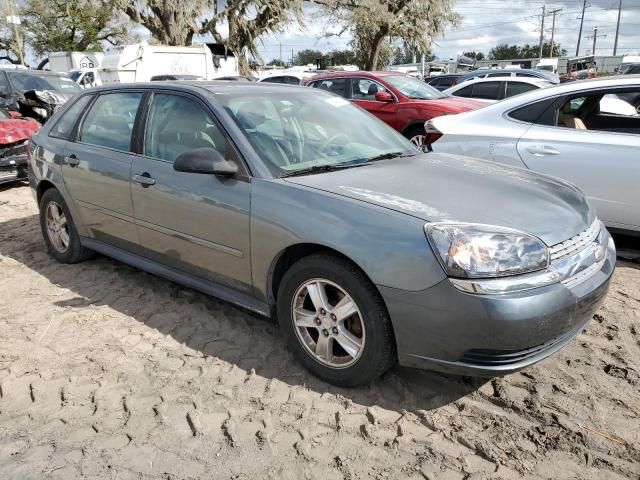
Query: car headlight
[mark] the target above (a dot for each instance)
(40, 111)
(468, 250)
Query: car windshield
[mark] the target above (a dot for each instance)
(413, 88)
(32, 81)
(74, 75)
(298, 131)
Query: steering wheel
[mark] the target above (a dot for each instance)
(328, 143)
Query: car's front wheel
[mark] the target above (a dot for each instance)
(417, 136)
(335, 321)
(59, 231)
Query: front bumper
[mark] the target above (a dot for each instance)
(13, 168)
(449, 330)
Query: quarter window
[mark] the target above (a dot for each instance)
(333, 85)
(64, 127)
(110, 121)
(177, 124)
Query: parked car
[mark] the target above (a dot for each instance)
(293, 201)
(173, 77)
(566, 131)
(237, 78)
(288, 78)
(630, 65)
(35, 93)
(442, 82)
(14, 134)
(402, 102)
(491, 90)
(501, 72)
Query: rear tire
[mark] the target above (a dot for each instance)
(59, 230)
(335, 321)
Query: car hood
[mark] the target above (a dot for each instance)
(51, 97)
(15, 130)
(451, 104)
(450, 188)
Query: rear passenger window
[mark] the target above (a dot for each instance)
(488, 90)
(64, 127)
(334, 85)
(110, 121)
(177, 124)
(465, 92)
(516, 88)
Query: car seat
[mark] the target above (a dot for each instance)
(569, 120)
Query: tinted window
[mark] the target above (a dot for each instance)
(497, 74)
(365, 89)
(64, 127)
(178, 124)
(25, 81)
(464, 92)
(516, 88)
(333, 85)
(488, 90)
(274, 80)
(110, 121)
(522, 74)
(446, 82)
(539, 113)
(291, 80)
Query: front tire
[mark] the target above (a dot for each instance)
(417, 136)
(335, 321)
(59, 230)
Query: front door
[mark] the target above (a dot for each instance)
(363, 91)
(195, 223)
(97, 168)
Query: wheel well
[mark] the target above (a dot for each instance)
(43, 186)
(412, 126)
(290, 256)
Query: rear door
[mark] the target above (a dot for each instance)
(600, 157)
(362, 92)
(195, 223)
(97, 168)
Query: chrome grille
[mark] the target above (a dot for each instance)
(575, 244)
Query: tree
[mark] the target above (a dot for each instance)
(408, 54)
(59, 25)
(248, 20)
(475, 55)
(276, 62)
(373, 22)
(171, 22)
(340, 57)
(307, 56)
(504, 51)
(9, 45)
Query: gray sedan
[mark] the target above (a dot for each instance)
(293, 202)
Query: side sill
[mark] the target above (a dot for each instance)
(205, 286)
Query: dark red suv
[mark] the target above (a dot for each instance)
(403, 102)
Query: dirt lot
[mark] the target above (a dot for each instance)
(107, 372)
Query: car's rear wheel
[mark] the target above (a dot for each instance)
(335, 321)
(417, 136)
(59, 231)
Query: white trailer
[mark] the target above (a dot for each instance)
(140, 62)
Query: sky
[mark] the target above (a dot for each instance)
(486, 23)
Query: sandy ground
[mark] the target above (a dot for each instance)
(107, 372)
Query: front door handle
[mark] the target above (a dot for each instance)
(144, 179)
(72, 160)
(542, 150)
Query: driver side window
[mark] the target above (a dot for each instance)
(177, 124)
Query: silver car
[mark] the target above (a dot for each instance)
(586, 132)
(293, 202)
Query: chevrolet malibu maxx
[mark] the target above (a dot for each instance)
(294, 203)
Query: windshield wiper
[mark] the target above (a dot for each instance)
(389, 156)
(322, 169)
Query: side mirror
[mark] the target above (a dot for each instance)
(383, 97)
(205, 160)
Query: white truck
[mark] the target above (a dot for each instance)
(548, 65)
(140, 62)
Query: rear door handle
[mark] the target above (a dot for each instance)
(72, 160)
(542, 150)
(144, 179)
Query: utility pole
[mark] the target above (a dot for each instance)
(595, 38)
(584, 6)
(542, 29)
(553, 29)
(15, 20)
(615, 44)
(280, 44)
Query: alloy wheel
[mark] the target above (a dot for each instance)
(328, 323)
(418, 141)
(57, 227)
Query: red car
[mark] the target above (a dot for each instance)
(403, 102)
(14, 135)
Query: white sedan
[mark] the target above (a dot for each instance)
(568, 131)
(491, 90)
